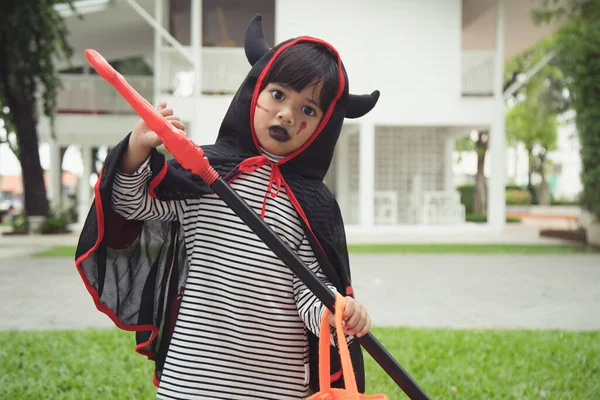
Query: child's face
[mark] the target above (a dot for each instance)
(285, 119)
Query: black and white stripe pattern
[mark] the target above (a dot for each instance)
(241, 332)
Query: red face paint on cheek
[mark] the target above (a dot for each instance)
(261, 107)
(302, 127)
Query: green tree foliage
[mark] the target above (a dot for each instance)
(551, 78)
(550, 75)
(32, 35)
(578, 47)
(533, 122)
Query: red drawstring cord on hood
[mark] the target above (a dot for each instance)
(252, 164)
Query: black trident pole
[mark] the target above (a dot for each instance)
(312, 281)
(191, 157)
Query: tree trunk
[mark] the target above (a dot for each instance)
(479, 202)
(530, 188)
(94, 160)
(63, 150)
(544, 193)
(34, 189)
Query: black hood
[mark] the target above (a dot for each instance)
(314, 158)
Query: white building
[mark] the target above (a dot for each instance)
(437, 63)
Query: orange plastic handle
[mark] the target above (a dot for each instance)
(189, 154)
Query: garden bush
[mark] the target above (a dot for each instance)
(518, 197)
(472, 217)
(56, 222)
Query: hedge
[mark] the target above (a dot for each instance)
(515, 195)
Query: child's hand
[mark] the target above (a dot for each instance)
(356, 320)
(146, 138)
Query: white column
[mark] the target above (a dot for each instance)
(497, 144)
(196, 42)
(158, 46)
(449, 144)
(342, 167)
(54, 175)
(366, 180)
(84, 199)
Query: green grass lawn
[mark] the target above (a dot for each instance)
(470, 248)
(69, 251)
(447, 364)
(59, 251)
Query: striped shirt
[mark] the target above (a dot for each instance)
(242, 328)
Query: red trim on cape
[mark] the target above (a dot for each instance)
(300, 211)
(157, 180)
(101, 307)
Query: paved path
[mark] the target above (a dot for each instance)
(481, 291)
(458, 291)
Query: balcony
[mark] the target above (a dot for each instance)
(223, 71)
(91, 94)
(478, 73)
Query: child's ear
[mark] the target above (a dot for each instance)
(255, 44)
(359, 105)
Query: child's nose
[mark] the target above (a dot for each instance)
(286, 116)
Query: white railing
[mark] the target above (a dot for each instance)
(442, 207)
(385, 207)
(223, 70)
(478, 73)
(91, 94)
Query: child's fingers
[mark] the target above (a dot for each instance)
(166, 111)
(176, 121)
(365, 329)
(161, 105)
(357, 320)
(178, 125)
(350, 308)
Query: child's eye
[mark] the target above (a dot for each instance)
(277, 94)
(309, 111)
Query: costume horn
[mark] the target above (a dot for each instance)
(359, 105)
(255, 43)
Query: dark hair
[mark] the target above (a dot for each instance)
(303, 64)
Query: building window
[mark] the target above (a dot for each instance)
(223, 21)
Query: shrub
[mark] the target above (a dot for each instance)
(561, 202)
(518, 197)
(19, 223)
(515, 195)
(56, 222)
(512, 186)
(467, 195)
(472, 217)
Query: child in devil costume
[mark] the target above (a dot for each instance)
(161, 255)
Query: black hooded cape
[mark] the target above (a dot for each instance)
(136, 270)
